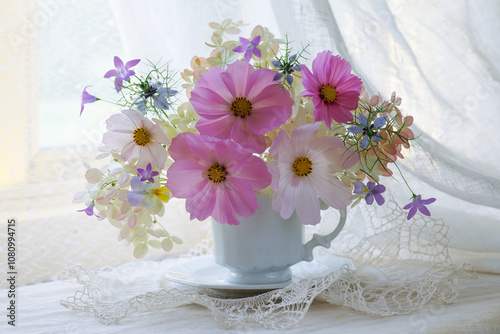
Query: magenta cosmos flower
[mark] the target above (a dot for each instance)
(304, 172)
(240, 103)
(334, 90)
(136, 137)
(218, 178)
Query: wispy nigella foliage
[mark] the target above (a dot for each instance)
(152, 93)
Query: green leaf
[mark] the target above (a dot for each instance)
(141, 250)
(167, 245)
(177, 240)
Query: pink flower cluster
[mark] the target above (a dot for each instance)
(217, 172)
(309, 139)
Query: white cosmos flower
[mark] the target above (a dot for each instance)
(304, 172)
(136, 137)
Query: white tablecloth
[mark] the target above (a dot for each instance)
(476, 311)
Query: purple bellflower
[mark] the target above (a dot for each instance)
(122, 72)
(249, 47)
(369, 132)
(147, 174)
(87, 98)
(419, 204)
(89, 210)
(372, 191)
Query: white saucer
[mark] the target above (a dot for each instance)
(204, 272)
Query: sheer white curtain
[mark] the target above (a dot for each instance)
(441, 57)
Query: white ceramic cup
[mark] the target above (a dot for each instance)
(261, 249)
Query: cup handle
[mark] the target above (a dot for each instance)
(323, 240)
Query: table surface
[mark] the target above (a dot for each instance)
(476, 311)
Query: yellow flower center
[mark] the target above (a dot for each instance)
(366, 189)
(241, 107)
(216, 173)
(141, 136)
(163, 193)
(328, 93)
(302, 166)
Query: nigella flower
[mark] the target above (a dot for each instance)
(87, 98)
(137, 138)
(218, 178)
(304, 172)
(150, 195)
(89, 210)
(249, 47)
(158, 94)
(286, 69)
(332, 87)
(147, 174)
(122, 72)
(240, 103)
(372, 191)
(369, 132)
(419, 204)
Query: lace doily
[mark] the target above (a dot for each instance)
(400, 266)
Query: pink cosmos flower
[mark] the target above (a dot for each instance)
(304, 171)
(334, 90)
(137, 138)
(218, 178)
(240, 103)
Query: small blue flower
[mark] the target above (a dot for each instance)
(286, 68)
(369, 132)
(157, 94)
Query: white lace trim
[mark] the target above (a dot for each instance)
(400, 266)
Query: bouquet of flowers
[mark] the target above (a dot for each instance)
(255, 119)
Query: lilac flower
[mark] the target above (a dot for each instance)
(89, 210)
(419, 204)
(372, 191)
(147, 174)
(87, 98)
(249, 47)
(286, 68)
(159, 95)
(369, 132)
(122, 72)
